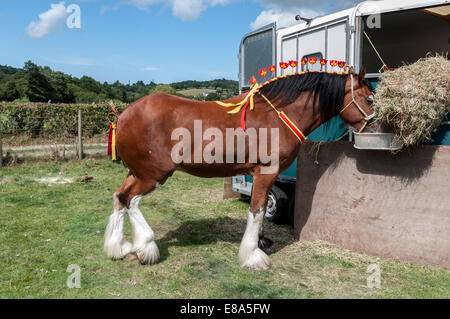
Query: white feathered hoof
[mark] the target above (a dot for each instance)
(148, 255)
(118, 249)
(257, 259)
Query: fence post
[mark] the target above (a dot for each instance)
(80, 135)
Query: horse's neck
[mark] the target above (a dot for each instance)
(303, 115)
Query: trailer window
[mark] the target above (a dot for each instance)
(315, 67)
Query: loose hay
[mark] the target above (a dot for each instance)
(413, 100)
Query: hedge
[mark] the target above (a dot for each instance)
(38, 119)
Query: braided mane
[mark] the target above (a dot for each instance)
(326, 88)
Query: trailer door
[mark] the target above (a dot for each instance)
(257, 51)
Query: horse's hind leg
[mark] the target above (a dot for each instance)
(115, 246)
(130, 195)
(250, 255)
(144, 245)
(127, 199)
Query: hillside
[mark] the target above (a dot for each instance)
(36, 83)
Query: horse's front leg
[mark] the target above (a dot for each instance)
(250, 255)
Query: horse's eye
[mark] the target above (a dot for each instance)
(370, 99)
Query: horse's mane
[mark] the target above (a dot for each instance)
(328, 88)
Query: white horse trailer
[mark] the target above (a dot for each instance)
(374, 34)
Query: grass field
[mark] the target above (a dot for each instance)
(195, 92)
(46, 227)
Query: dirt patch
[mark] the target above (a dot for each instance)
(54, 180)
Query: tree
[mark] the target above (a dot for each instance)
(89, 84)
(62, 94)
(9, 91)
(38, 87)
(212, 97)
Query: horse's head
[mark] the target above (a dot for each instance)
(357, 109)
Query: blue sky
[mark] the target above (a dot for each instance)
(130, 40)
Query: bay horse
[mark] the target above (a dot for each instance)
(145, 144)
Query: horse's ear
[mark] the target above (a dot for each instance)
(351, 70)
(362, 74)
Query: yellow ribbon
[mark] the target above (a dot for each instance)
(113, 142)
(113, 137)
(240, 105)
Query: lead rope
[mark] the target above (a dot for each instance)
(317, 145)
(385, 67)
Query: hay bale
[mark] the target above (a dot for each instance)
(414, 99)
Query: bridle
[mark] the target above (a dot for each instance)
(367, 118)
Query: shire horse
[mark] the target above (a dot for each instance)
(144, 143)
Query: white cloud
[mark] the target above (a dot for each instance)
(281, 17)
(185, 10)
(283, 12)
(188, 10)
(49, 21)
(316, 5)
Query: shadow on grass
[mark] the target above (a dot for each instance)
(224, 229)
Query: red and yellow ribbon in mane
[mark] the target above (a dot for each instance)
(249, 101)
(112, 136)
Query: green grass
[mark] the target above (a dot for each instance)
(45, 228)
(195, 92)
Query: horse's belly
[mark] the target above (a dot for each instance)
(216, 170)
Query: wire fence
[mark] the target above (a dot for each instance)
(57, 137)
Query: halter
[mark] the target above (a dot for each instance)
(367, 118)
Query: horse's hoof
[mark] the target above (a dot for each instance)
(148, 255)
(264, 243)
(258, 260)
(117, 250)
(130, 256)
